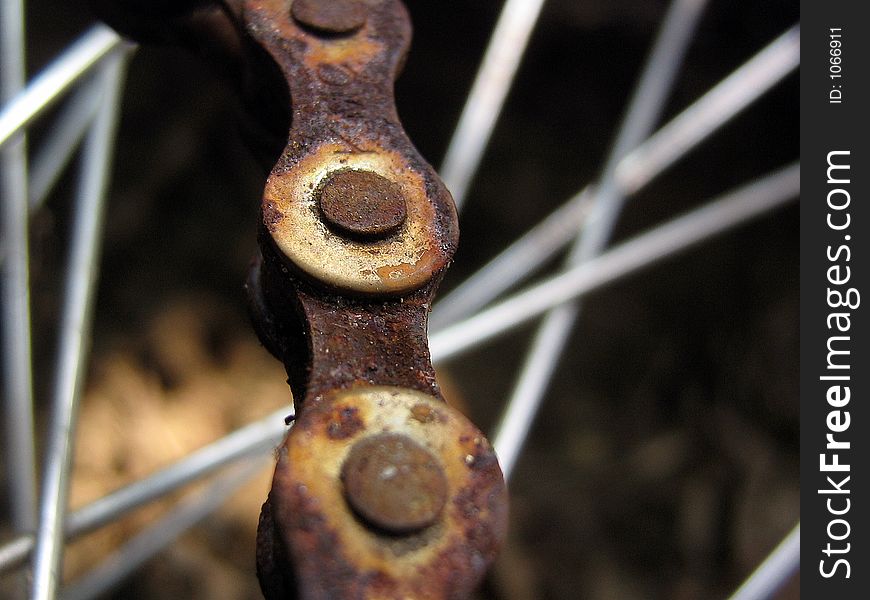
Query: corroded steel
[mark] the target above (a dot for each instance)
(381, 490)
(344, 117)
(394, 483)
(335, 16)
(308, 523)
(361, 204)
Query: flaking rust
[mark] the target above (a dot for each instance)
(381, 490)
(337, 539)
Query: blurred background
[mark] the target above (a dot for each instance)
(664, 462)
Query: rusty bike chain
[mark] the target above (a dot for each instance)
(381, 490)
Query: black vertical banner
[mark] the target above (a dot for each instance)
(835, 299)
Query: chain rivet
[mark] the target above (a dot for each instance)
(361, 204)
(329, 16)
(394, 483)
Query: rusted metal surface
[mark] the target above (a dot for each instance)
(344, 117)
(393, 483)
(361, 204)
(381, 490)
(335, 16)
(336, 554)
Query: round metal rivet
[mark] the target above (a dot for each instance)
(394, 483)
(361, 204)
(330, 16)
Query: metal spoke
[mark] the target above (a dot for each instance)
(74, 331)
(18, 447)
(149, 543)
(14, 553)
(734, 93)
(514, 263)
(673, 141)
(520, 410)
(644, 110)
(51, 84)
(491, 85)
(257, 438)
(643, 250)
(772, 574)
(62, 140)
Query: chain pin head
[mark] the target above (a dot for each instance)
(394, 483)
(361, 204)
(330, 16)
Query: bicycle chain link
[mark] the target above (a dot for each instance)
(381, 490)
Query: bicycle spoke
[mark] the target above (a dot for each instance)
(62, 140)
(731, 95)
(256, 438)
(146, 545)
(12, 77)
(514, 263)
(19, 446)
(53, 82)
(491, 85)
(644, 110)
(14, 553)
(659, 243)
(74, 330)
(691, 127)
(770, 575)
